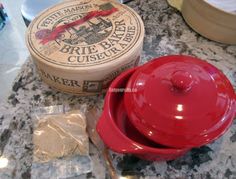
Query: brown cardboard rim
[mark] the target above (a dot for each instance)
(209, 21)
(213, 13)
(218, 9)
(179, 4)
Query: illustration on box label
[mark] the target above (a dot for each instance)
(94, 35)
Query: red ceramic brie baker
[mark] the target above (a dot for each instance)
(162, 109)
(180, 101)
(117, 132)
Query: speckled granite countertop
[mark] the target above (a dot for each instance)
(166, 33)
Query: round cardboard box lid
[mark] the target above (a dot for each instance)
(85, 33)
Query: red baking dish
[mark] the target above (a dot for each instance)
(180, 101)
(120, 135)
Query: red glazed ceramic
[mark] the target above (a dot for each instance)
(180, 101)
(119, 135)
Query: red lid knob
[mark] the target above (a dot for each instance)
(182, 80)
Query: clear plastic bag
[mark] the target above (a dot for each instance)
(62, 168)
(61, 144)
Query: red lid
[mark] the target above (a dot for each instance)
(180, 101)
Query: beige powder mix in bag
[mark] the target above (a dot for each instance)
(60, 135)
